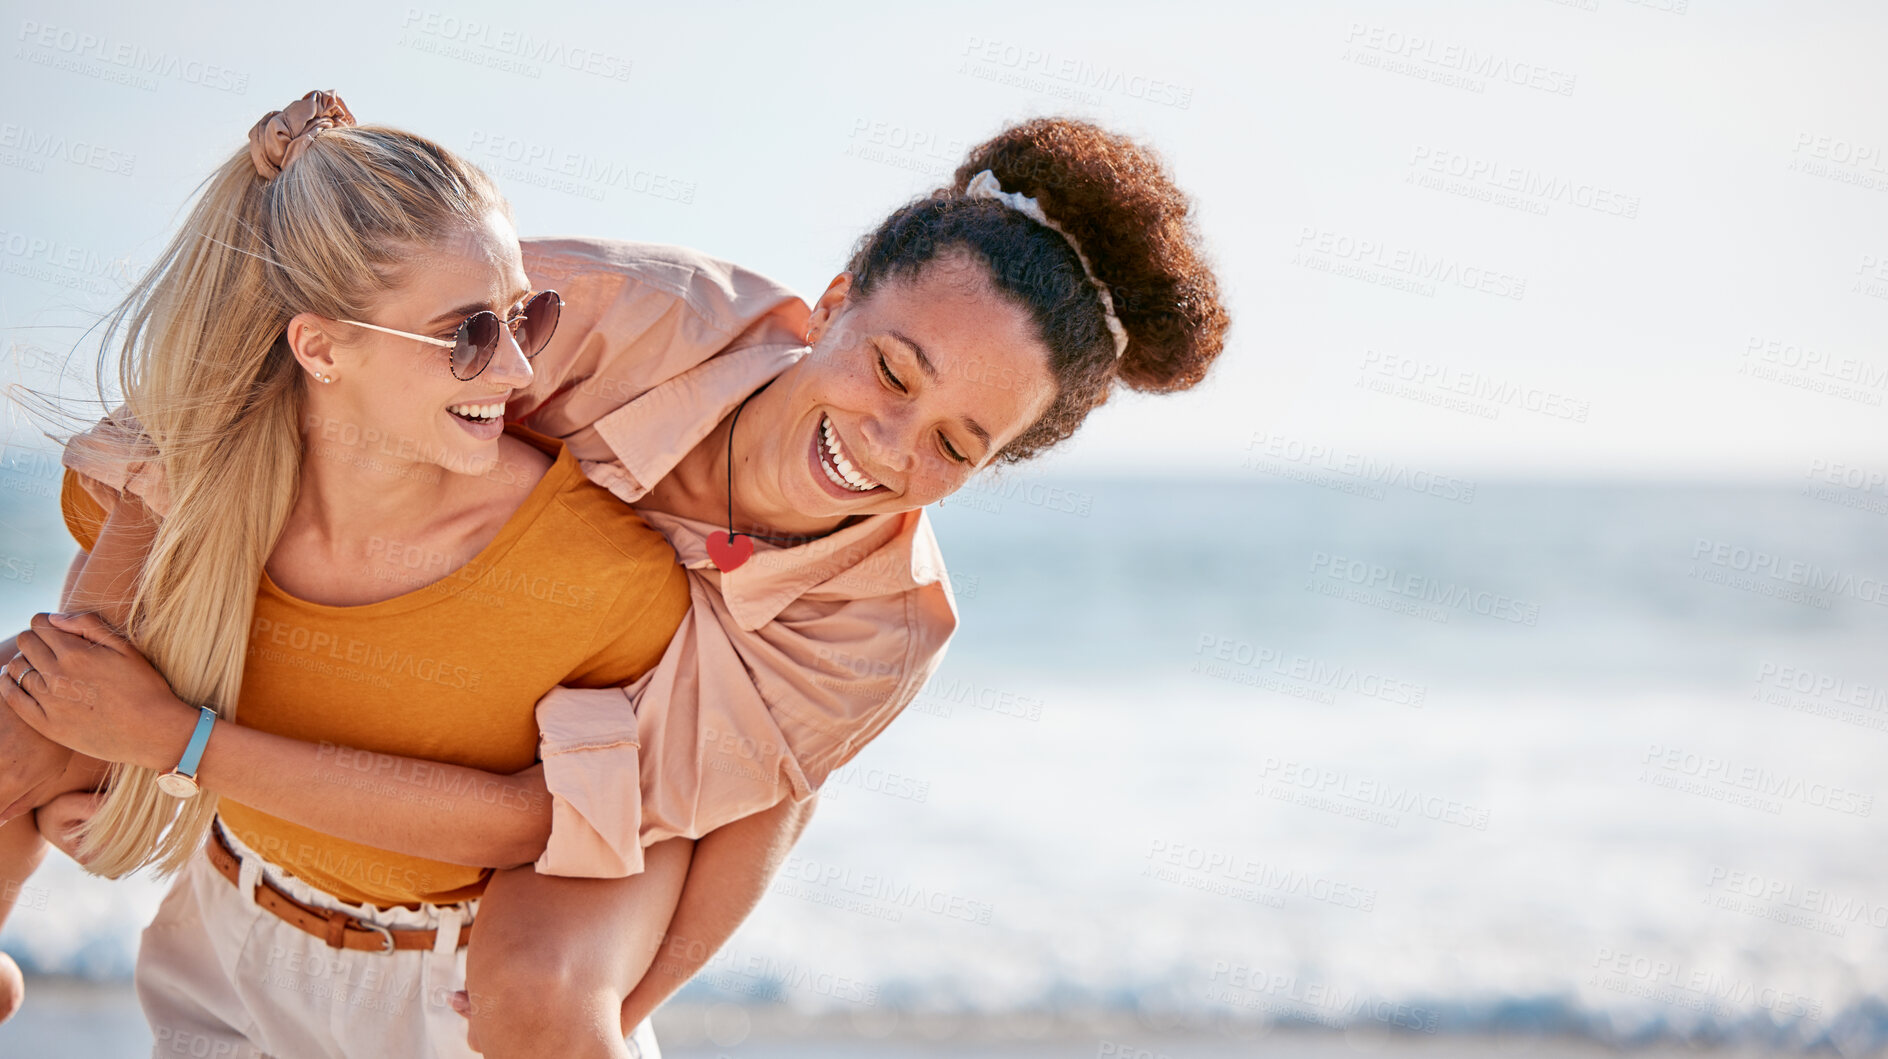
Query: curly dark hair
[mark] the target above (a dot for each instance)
(1115, 199)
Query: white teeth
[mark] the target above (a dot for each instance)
(838, 481)
(847, 475)
(478, 411)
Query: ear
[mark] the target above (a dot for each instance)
(829, 307)
(309, 340)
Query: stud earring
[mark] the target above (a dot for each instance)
(325, 378)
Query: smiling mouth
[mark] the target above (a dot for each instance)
(478, 413)
(832, 460)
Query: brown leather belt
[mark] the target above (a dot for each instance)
(341, 930)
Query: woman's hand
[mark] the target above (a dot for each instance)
(31, 765)
(87, 688)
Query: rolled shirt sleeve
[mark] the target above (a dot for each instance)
(113, 458)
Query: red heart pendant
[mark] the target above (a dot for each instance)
(729, 554)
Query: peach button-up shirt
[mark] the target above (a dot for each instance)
(785, 667)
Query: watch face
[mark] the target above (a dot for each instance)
(177, 785)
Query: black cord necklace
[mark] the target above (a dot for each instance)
(729, 550)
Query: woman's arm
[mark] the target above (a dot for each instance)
(552, 957)
(726, 879)
(35, 772)
(103, 698)
(30, 764)
(564, 966)
(34, 769)
(458, 815)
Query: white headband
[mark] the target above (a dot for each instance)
(985, 186)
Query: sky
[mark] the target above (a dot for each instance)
(1530, 238)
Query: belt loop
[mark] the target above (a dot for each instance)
(446, 938)
(249, 876)
(337, 927)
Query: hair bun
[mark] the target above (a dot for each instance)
(282, 135)
(1114, 198)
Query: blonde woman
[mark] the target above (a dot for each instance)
(972, 328)
(345, 278)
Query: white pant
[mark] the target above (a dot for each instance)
(220, 977)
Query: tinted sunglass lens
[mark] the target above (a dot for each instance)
(478, 340)
(540, 322)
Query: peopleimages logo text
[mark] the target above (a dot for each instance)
(1759, 563)
(1427, 589)
(78, 44)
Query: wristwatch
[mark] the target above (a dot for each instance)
(181, 782)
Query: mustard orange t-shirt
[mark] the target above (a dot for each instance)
(575, 590)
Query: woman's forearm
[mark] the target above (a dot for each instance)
(408, 805)
(728, 876)
(33, 768)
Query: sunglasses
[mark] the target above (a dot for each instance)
(477, 340)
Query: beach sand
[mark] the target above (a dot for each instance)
(66, 1019)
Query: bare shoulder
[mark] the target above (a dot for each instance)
(521, 465)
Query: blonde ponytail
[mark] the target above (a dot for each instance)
(210, 381)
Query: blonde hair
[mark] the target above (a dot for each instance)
(208, 376)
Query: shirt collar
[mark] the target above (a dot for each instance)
(652, 433)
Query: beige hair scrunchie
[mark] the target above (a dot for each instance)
(282, 135)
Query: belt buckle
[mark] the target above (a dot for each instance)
(386, 935)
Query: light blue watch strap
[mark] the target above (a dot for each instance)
(187, 765)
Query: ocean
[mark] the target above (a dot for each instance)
(1589, 759)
